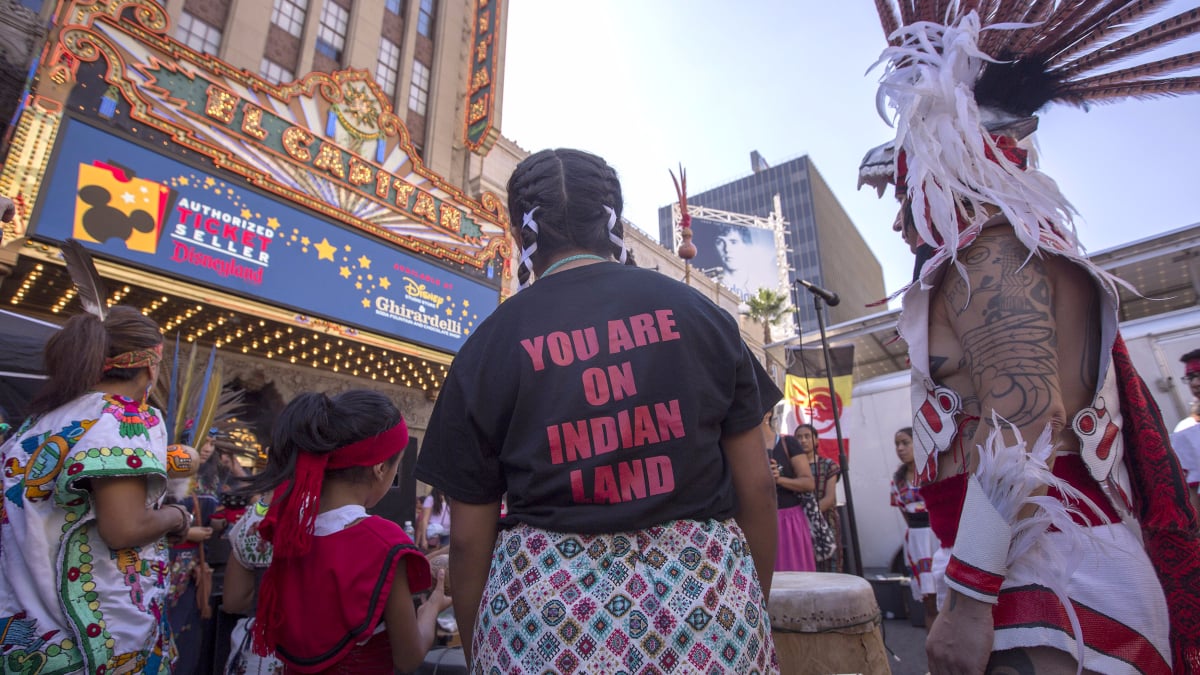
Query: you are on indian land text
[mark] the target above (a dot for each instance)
(633, 427)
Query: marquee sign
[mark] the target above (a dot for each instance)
(481, 133)
(147, 209)
(329, 142)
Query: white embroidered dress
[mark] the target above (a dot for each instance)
(68, 602)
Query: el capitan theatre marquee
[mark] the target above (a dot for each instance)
(307, 196)
(154, 212)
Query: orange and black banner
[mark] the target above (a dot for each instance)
(807, 398)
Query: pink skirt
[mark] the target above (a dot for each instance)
(795, 551)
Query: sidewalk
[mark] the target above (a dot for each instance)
(908, 643)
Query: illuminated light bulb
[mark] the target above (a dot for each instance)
(292, 359)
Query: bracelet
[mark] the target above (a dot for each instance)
(182, 530)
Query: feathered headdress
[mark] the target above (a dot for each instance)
(963, 79)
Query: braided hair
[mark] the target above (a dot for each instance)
(561, 200)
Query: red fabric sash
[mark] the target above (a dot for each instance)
(1166, 516)
(944, 499)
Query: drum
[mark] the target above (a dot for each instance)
(826, 623)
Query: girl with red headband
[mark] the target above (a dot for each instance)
(337, 596)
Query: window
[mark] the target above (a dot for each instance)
(274, 73)
(425, 18)
(198, 35)
(387, 71)
(289, 15)
(394, 6)
(331, 36)
(418, 93)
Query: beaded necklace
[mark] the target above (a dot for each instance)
(571, 258)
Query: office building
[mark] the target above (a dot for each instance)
(822, 245)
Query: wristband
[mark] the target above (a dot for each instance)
(182, 530)
(980, 561)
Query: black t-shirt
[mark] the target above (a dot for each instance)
(785, 449)
(595, 399)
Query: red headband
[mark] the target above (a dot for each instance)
(138, 358)
(292, 515)
(289, 523)
(1006, 144)
(1191, 367)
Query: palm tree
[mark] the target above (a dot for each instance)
(768, 307)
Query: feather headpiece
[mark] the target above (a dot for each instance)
(88, 284)
(961, 75)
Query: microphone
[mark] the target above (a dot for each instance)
(827, 295)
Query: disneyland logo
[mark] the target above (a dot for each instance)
(421, 294)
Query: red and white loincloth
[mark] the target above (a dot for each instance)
(1126, 631)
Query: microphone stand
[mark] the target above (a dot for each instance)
(843, 460)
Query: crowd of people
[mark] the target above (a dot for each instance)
(605, 445)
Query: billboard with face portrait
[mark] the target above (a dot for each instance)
(740, 257)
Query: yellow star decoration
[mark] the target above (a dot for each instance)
(466, 303)
(246, 213)
(384, 283)
(325, 250)
(345, 272)
(358, 285)
(347, 247)
(183, 180)
(305, 241)
(273, 223)
(449, 311)
(364, 262)
(209, 182)
(366, 303)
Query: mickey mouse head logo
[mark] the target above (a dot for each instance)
(103, 222)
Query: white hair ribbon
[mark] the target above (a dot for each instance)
(527, 252)
(612, 236)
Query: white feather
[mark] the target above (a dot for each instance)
(1014, 477)
(928, 84)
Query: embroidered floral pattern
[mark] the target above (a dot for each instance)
(89, 608)
(134, 419)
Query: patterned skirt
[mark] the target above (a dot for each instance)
(678, 597)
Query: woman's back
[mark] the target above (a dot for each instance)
(609, 414)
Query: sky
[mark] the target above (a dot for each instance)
(650, 84)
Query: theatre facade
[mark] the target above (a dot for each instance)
(294, 226)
